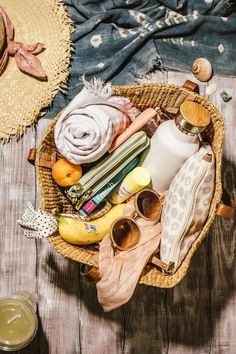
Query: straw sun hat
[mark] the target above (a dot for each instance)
(35, 51)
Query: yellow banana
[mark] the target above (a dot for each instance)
(79, 232)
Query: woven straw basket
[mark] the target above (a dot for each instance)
(142, 96)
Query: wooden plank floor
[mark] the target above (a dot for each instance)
(197, 316)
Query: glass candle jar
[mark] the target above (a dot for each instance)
(18, 321)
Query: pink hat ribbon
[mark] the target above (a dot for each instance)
(24, 54)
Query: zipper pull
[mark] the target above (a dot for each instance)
(169, 269)
(83, 199)
(74, 192)
(207, 157)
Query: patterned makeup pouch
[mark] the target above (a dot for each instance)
(186, 207)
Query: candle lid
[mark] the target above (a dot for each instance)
(18, 324)
(193, 118)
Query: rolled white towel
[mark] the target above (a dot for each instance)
(90, 123)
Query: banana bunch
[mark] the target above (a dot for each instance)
(80, 232)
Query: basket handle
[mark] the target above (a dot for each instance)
(91, 273)
(32, 156)
(188, 91)
(225, 207)
(191, 86)
(46, 159)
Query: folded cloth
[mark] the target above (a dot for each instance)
(89, 124)
(124, 40)
(120, 271)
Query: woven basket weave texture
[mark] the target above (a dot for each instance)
(24, 99)
(142, 96)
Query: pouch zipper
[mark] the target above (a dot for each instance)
(93, 176)
(121, 166)
(92, 191)
(174, 254)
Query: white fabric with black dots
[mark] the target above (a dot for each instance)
(37, 224)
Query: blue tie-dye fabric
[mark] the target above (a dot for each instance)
(121, 40)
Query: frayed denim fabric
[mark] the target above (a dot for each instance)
(123, 40)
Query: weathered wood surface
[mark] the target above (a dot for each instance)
(197, 316)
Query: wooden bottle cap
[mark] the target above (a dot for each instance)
(195, 114)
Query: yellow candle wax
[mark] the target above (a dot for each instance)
(18, 322)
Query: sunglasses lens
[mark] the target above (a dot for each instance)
(125, 234)
(149, 205)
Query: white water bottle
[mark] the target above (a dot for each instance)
(173, 142)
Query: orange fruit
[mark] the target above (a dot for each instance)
(66, 173)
